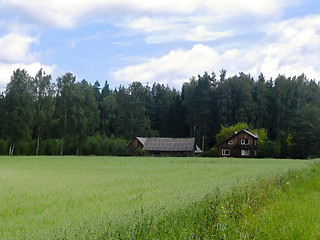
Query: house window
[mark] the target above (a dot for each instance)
(244, 141)
(230, 142)
(225, 152)
(245, 152)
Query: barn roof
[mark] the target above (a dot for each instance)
(167, 144)
(142, 140)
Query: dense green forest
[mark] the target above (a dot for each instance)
(39, 116)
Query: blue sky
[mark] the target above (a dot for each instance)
(166, 41)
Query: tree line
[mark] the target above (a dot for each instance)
(76, 117)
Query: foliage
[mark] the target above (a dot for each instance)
(227, 132)
(43, 92)
(285, 145)
(305, 126)
(4, 146)
(262, 140)
(19, 111)
(71, 111)
(262, 134)
(95, 145)
(197, 99)
(213, 152)
(139, 152)
(269, 149)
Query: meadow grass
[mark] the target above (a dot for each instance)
(118, 197)
(279, 207)
(293, 213)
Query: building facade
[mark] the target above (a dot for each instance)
(243, 144)
(171, 147)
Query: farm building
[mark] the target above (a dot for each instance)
(241, 144)
(172, 147)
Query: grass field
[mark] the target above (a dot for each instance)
(112, 197)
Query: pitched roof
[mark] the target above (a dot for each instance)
(243, 130)
(250, 133)
(167, 144)
(142, 140)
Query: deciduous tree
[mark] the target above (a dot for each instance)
(19, 114)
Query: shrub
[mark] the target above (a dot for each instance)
(269, 149)
(4, 146)
(139, 152)
(52, 146)
(213, 152)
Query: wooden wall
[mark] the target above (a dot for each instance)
(133, 146)
(236, 147)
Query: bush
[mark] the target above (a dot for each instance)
(95, 145)
(269, 149)
(25, 148)
(4, 146)
(103, 146)
(52, 146)
(139, 152)
(213, 152)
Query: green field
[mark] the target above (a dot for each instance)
(100, 197)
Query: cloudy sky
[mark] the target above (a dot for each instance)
(165, 41)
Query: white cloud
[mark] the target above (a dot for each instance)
(294, 48)
(201, 33)
(148, 24)
(176, 67)
(67, 14)
(15, 48)
(32, 68)
(206, 21)
(262, 7)
(15, 53)
(15, 26)
(290, 47)
(169, 29)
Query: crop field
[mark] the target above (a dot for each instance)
(127, 198)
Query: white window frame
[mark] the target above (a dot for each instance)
(230, 142)
(225, 152)
(245, 152)
(243, 141)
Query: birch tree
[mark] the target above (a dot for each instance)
(44, 104)
(19, 114)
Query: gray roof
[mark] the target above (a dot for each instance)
(167, 144)
(142, 140)
(250, 133)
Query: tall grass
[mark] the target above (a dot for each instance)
(278, 207)
(114, 197)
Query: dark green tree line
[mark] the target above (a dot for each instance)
(68, 116)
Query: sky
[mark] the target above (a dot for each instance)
(166, 41)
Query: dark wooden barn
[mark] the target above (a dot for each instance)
(241, 144)
(172, 147)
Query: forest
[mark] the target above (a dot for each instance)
(70, 117)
